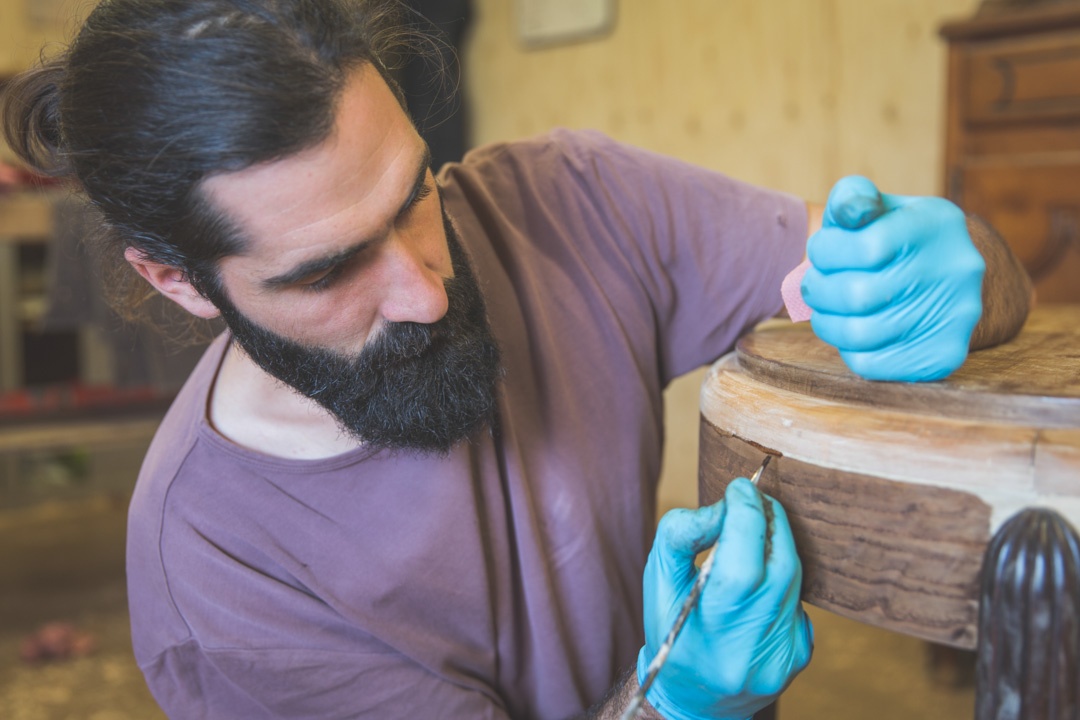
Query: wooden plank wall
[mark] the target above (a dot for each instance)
(786, 93)
(26, 26)
(30, 27)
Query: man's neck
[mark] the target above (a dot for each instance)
(253, 409)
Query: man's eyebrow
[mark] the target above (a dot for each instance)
(309, 268)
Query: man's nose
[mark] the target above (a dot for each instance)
(416, 290)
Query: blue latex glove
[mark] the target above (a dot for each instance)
(748, 636)
(896, 283)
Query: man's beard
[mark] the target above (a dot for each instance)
(412, 387)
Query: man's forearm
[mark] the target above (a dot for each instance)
(618, 698)
(1006, 290)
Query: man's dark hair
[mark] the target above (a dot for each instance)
(153, 96)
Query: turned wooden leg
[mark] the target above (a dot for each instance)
(1028, 655)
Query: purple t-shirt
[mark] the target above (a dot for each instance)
(504, 580)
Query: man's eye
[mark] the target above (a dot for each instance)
(422, 194)
(318, 283)
(323, 281)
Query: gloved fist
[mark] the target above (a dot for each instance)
(748, 636)
(896, 283)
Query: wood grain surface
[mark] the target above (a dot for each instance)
(665, 80)
(1034, 379)
(893, 489)
(921, 448)
(894, 555)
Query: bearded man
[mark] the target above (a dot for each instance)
(416, 477)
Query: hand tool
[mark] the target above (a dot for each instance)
(632, 710)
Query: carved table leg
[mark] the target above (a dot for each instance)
(1028, 663)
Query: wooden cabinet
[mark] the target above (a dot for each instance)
(1012, 151)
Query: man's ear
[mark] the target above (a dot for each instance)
(171, 282)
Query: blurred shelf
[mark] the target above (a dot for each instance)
(62, 415)
(93, 433)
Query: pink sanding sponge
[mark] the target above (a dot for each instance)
(791, 291)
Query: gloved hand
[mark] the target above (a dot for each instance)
(748, 636)
(896, 283)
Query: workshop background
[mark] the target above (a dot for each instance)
(791, 94)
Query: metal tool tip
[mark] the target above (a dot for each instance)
(761, 468)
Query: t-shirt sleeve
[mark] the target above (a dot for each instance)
(706, 252)
(710, 251)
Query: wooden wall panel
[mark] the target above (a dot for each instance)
(787, 93)
(26, 26)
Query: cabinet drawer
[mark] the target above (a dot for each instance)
(1023, 80)
(1036, 208)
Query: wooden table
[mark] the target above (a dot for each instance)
(939, 510)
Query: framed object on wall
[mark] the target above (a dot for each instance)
(548, 22)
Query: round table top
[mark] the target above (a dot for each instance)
(1034, 379)
(893, 490)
